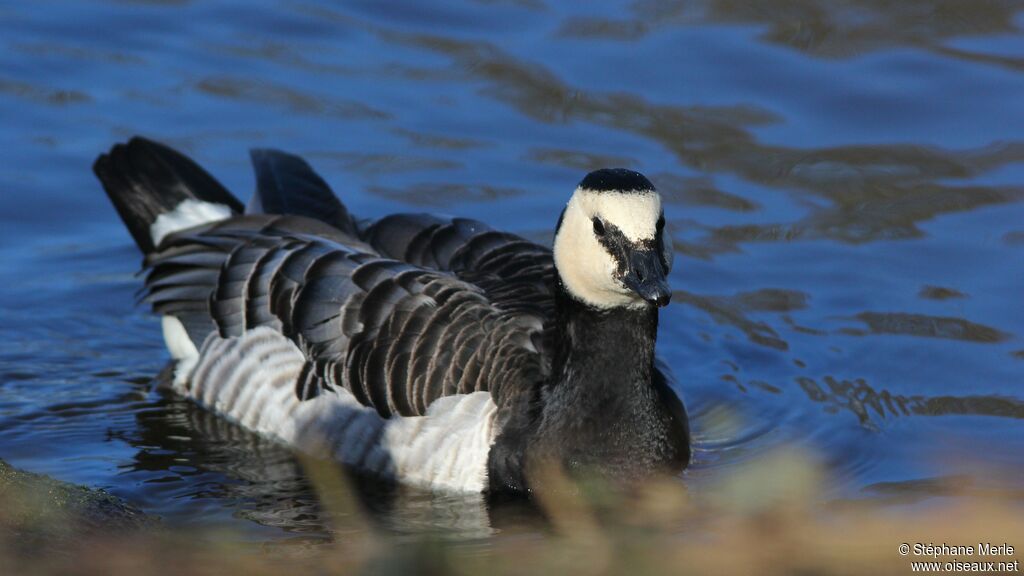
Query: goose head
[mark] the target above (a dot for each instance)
(609, 248)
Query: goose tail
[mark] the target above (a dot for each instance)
(287, 184)
(157, 191)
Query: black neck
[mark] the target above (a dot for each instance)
(606, 352)
(605, 408)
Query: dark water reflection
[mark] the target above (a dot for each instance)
(843, 183)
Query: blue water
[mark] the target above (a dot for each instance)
(843, 183)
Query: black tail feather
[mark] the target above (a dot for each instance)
(145, 179)
(286, 184)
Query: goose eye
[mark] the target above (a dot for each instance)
(661, 222)
(598, 226)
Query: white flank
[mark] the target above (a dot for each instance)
(188, 214)
(181, 348)
(251, 380)
(178, 343)
(448, 447)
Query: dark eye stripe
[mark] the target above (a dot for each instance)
(617, 245)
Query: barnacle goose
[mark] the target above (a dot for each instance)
(423, 349)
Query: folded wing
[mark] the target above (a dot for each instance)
(396, 334)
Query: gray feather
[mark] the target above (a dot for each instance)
(395, 334)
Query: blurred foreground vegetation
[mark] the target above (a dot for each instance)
(768, 518)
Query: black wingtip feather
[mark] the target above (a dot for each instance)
(287, 184)
(145, 179)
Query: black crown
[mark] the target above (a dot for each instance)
(616, 180)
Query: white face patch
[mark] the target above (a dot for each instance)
(188, 214)
(636, 214)
(585, 266)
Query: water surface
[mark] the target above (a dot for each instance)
(843, 185)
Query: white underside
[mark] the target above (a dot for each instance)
(251, 380)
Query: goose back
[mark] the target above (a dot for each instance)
(397, 336)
